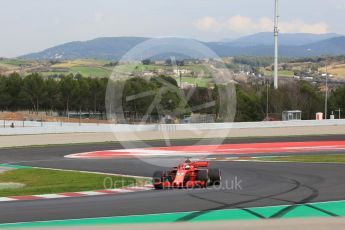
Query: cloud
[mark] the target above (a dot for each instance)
(298, 26)
(208, 24)
(246, 25)
(241, 24)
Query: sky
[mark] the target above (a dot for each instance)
(33, 25)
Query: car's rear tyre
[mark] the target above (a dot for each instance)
(215, 176)
(203, 176)
(158, 179)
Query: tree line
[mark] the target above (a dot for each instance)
(80, 94)
(296, 95)
(35, 93)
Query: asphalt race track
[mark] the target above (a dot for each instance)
(245, 184)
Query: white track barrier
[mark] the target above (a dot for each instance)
(31, 127)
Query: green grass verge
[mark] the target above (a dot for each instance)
(91, 71)
(311, 210)
(201, 82)
(15, 62)
(281, 73)
(45, 181)
(333, 158)
(139, 67)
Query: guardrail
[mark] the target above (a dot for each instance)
(32, 127)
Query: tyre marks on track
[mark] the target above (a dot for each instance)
(278, 214)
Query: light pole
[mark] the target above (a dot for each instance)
(326, 96)
(276, 34)
(267, 101)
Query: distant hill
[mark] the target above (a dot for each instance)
(331, 46)
(266, 38)
(100, 48)
(261, 44)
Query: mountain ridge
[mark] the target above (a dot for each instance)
(113, 48)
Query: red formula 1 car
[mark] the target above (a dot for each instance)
(187, 175)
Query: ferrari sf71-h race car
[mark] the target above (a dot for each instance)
(187, 175)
